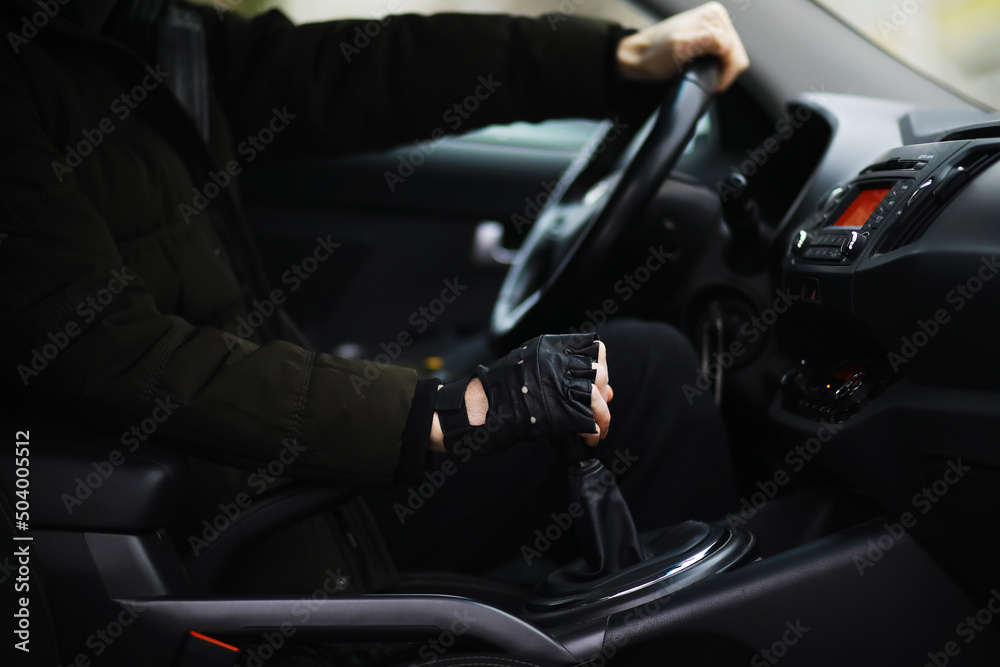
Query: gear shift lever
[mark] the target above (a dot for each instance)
(614, 572)
(605, 532)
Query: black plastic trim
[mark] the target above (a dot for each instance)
(386, 616)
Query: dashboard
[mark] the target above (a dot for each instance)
(905, 252)
(881, 220)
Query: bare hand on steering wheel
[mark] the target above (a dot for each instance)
(660, 51)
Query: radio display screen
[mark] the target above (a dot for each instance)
(863, 206)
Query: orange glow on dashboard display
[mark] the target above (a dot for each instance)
(862, 207)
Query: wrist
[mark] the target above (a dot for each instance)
(476, 406)
(476, 403)
(436, 442)
(630, 57)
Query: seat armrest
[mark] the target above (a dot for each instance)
(273, 510)
(91, 483)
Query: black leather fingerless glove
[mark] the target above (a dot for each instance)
(542, 388)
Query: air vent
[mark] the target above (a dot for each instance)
(895, 164)
(932, 196)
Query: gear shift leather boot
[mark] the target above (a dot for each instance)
(619, 568)
(606, 534)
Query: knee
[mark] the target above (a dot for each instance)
(660, 346)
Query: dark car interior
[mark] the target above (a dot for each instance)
(831, 227)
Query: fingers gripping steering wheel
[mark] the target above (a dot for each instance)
(594, 204)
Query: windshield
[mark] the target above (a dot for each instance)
(953, 41)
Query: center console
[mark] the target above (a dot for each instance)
(850, 215)
(892, 263)
(893, 376)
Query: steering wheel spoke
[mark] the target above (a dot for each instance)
(601, 196)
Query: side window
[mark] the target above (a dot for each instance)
(954, 41)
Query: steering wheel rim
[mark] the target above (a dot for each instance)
(575, 228)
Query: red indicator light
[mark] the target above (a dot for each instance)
(214, 641)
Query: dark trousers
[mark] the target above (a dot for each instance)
(669, 454)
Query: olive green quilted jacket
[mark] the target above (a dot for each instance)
(125, 263)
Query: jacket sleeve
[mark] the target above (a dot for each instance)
(81, 332)
(366, 84)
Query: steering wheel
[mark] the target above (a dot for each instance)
(594, 204)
